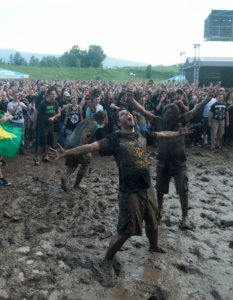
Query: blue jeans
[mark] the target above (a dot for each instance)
(143, 127)
(68, 134)
(21, 145)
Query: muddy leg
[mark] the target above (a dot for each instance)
(160, 203)
(184, 206)
(81, 173)
(116, 243)
(152, 236)
(65, 177)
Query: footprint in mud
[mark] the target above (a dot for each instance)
(107, 276)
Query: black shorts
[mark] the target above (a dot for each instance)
(136, 207)
(46, 135)
(177, 170)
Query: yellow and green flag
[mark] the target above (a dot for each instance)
(10, 138)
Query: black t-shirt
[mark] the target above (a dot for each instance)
(198, 117)
(130, 153)
(73, 118)
(62, 103)
(110, 111)
(219, 111)
(47, 110)
(3, 106)
(148, 106)
(230, 111)
(31, 98)
(170, 150)
(160, 111)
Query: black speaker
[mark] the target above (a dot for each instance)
(219, 26)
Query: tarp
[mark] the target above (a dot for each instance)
(9, 74)
(177, 78)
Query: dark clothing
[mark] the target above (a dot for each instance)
(130, 153)
(165, 171)
(124, 105)
(109, 127)
(136, 207)
(87, 102)
(31, 98)
(170, 150)
(73, 117)
(3, 106)
(148, 106)
(46, 135)
(160, 111)
(219, 111)
(40, 98)
(181, 109)
(198, 117)
(61, 104)
(47, 110)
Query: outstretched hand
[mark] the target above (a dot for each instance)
(58, 153)
(185, 130)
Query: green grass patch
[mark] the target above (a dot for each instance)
(159, 73)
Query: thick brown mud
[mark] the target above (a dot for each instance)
(52, 242)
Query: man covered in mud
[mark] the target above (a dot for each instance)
(171, 154)
(136, 198)
(82, 134)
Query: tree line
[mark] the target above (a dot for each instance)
(75, 57)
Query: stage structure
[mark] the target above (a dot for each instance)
(219, 26)
(210, 69)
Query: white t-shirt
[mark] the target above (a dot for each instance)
(206, 111)
(89, 113)
(18, 116)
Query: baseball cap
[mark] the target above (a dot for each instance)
(66, 94)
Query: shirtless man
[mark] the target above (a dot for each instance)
(82, 134)
(171, 155)
(136, 198)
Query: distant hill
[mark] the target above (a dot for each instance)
(109, 62)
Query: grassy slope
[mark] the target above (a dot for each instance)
(121, 74)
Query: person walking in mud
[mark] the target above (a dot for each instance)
(136, 198)
(171, 154)
(82, 134)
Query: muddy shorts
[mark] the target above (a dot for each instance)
(136, 207)
(165, 171)
(74, 161)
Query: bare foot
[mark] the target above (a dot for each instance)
(158, 249)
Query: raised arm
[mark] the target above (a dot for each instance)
(174, 134)
(139, 108)
(60, 152)
(192, 113)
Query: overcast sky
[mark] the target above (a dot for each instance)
(150, 31)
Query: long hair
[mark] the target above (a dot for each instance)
(106, 97)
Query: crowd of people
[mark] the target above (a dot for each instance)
(73, 101)
(121, 119)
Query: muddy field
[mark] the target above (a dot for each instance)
(53, 243)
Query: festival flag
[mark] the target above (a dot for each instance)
(10, 138)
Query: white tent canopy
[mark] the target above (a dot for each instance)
(9, 74)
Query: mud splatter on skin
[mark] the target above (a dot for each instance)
(55, 248)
